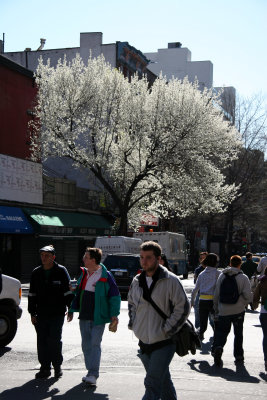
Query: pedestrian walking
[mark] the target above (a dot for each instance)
(200, 268)
(249, 267)
(232, 295)
(262, 265)
(164, 261)
(260, 296)
(156, 288)
(97, 299)
(205, 285)
(49, 296)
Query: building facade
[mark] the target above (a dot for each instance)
(175, 61)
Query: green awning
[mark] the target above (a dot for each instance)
(80, 222)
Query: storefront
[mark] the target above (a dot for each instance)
(14, 227)
(23, 231)
(69, 232)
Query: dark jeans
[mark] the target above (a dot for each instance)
(49, 344)
(205, 309)
(197, 319)
(222, 330)
(263, 321)
(158, 381)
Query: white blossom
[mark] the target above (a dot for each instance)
(162, 149)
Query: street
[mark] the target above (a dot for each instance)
(121, 372)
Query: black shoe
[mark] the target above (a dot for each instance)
(43, 373)
(218, 356)
(58, 373)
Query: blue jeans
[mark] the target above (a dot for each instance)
(263, 321)
(158, 383)
(222, 329)
(91, 345)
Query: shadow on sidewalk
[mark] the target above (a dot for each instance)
(4, 350)
(40, 390)
(35, 389)
(81, 392)
(239, 375)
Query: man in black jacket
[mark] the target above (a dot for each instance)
(49, 295)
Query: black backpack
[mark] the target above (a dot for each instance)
(229, 290)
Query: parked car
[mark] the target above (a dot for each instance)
(123, 266)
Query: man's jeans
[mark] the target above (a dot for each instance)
(91, 345)
(49, 343)
(196, 309)
(158, 383)
(263, 321)
(222, 329)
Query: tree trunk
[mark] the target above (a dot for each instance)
(230, 231)
(123, 227)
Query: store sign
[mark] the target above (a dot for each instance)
(20, 180)
(149, 220)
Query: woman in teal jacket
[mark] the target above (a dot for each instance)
(97, 299)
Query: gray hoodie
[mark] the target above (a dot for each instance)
(244, 291)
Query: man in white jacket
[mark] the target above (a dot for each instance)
(157, 349)
(227, 314)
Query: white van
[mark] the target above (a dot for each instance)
(174, 246)
(10, 311)
(117, 244)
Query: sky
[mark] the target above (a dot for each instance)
(232, 34)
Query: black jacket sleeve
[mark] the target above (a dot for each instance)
(68, 295)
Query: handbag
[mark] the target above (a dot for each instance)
(186, 339)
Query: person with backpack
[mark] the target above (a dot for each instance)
(232, 295)
(260, 295)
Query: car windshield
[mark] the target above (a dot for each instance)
(123, 262)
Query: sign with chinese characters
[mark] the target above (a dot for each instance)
(20, 180)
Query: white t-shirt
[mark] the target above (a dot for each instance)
(149, 281)
(92, 279)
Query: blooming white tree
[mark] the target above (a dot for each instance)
(162, 149)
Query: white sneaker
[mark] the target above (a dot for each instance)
(91, 379)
